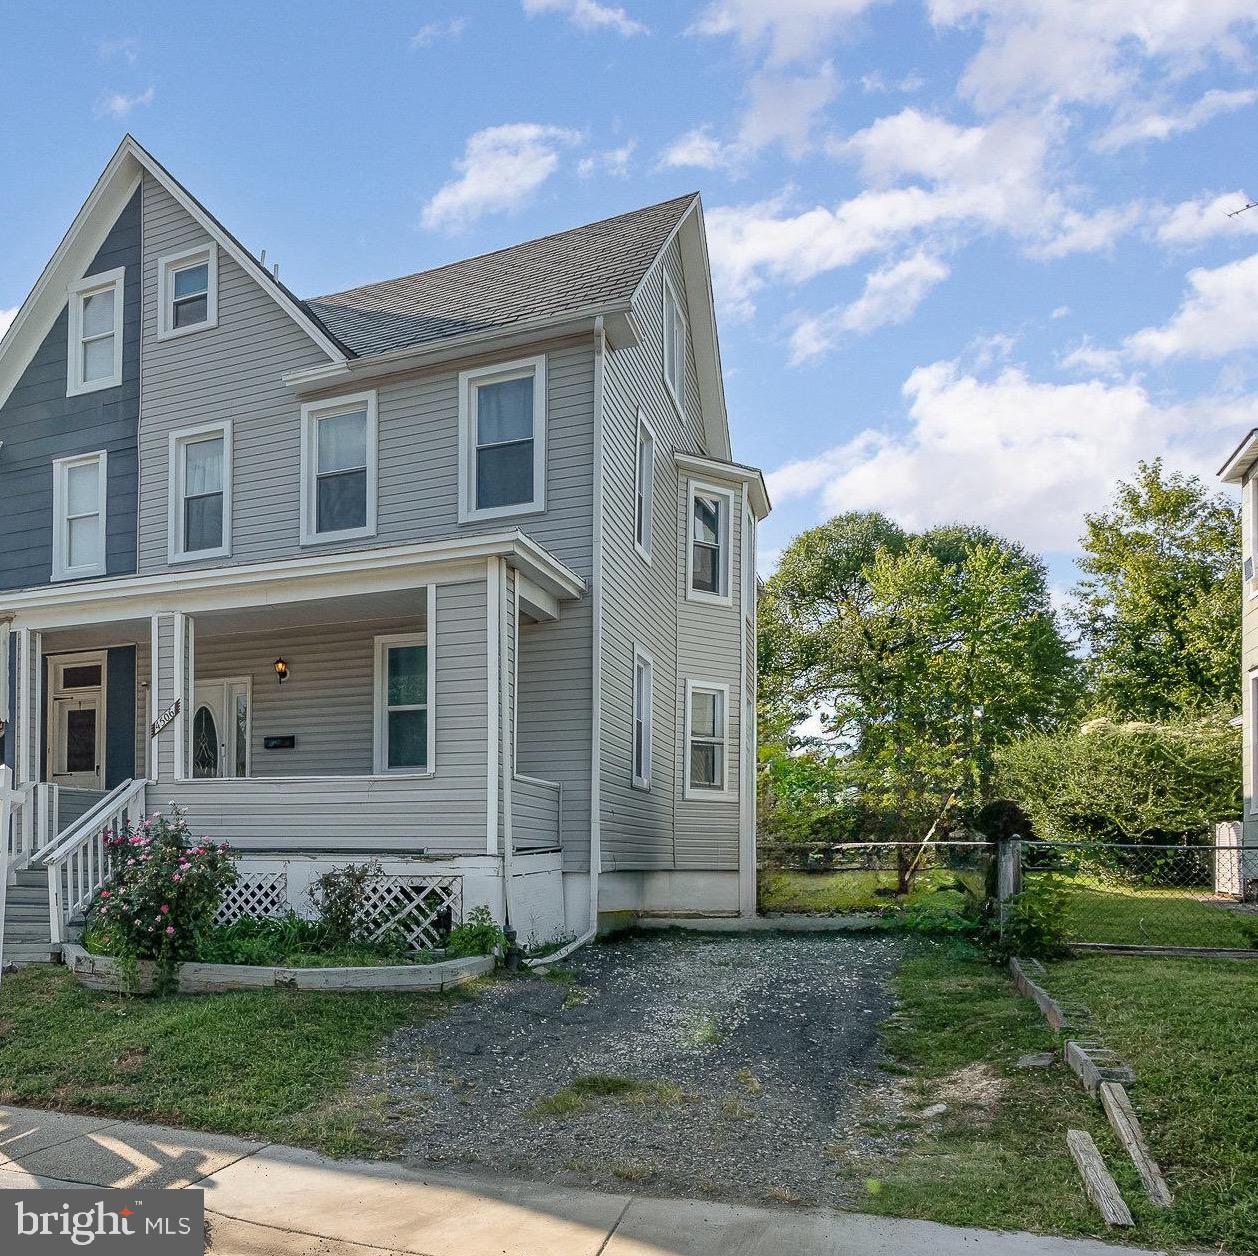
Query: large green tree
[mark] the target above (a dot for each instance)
(1159, 609)
(918, 654)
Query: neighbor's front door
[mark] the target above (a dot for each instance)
(220, 728)
(76, 721)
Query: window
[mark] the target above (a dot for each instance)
(78, 514)
(95, 333)
(1249, 512)
(706, 707)
(502, 440)
(674, 346)
(404, 683)
(749, 564)
(643, 697)
(187, 291)
(338, 460)
(200, 492)
(644, 489)
(707, 576)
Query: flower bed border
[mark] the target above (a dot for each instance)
(103, 972)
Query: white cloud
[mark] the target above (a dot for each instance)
(1024, 457)
(501, 168)
(1087, 50)
(588, 15)
(1060, 312)
(789, 30)
(1191, 222)
(891, 295)
(127, 47)
(612, 161)
(700, 149)
(1093, 359)
(1218, 316)
(6, 319)
(876, 83)
(1135, 126)
(1077, 232)
(433, 31)
(118, 104)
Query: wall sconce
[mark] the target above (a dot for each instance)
(281, 670)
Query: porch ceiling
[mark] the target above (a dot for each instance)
(396, 604)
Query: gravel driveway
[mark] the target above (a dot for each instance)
(719, 1066)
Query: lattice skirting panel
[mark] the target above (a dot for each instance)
(419, 909)
(254, 894)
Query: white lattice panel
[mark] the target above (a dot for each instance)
(254, 894)
(420, 909)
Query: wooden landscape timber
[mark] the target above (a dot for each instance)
(1123, 1121)
(1101, 1188)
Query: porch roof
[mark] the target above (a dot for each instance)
(345, 573)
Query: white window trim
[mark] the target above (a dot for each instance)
(705, 489)
(748, 573)
(699, 793)
(175, 492)
(469, 381)
(1249, 532)
(644, 545)
(60, 525)
(670, 293)
(380, 722)
(78, 292)
(311, 413)
(167, 264)
(642, 655)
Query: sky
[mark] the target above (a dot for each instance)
(973, 258)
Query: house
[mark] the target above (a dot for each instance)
(454, 571)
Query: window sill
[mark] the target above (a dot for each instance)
(199, 555)
(644, 555)
(691, 794)
(643, 787)
(97, 385)
(84, 573)
(178, 333)
(709, 599)
(502, 512)
(331, 538)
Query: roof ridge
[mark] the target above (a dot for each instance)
(519, 244)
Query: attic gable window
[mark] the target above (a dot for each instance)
(674, 346)
(95, 333)
(187, 291)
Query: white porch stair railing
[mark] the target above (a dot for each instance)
(19, 819)
(79, 861)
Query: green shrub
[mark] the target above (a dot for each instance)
(1034, 926)
(478, 935)
(338, 897)
(292, 940)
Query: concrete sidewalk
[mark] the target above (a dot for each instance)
(269, 1200)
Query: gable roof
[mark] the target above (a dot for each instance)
(589, 266)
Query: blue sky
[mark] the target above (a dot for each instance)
(972, 257)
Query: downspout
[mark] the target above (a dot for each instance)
(596, 717)
(506, 735)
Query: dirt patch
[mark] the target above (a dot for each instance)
(977, 1086)
(720, 1066)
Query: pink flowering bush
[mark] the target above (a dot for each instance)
(162, 895)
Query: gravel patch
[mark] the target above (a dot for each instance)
(698, 1065)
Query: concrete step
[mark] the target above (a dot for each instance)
(28, 953)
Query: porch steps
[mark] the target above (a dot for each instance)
(26, 930)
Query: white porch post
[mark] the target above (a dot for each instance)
(27, 704)
(493, 663)
(172, 661)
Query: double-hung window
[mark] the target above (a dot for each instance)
(78, 516)
(708, 551)
(706, 738)
(187, 284)
(338, 459)
(201, 492)
(674, 346)
(643, 699)
(404, 684)
(502, 440)
(644, 489)
(95, 333)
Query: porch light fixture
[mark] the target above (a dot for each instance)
(281, 670)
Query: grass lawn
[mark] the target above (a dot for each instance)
(841, 892)
(268, 1063)
(1186, 1026)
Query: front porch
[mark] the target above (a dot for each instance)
(303, 724)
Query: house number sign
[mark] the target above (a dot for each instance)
(165, 720)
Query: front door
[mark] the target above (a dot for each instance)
(76, 720)
(220, 728)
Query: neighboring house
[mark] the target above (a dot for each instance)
(454, 570)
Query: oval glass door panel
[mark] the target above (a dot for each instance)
(205, 748)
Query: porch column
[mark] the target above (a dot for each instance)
(170, 694)
(27, 707)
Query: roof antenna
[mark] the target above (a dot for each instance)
(1236, 213)
(262, 260)
(276, 272)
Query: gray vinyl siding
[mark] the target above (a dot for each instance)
(39, 423)
(645, 603)
(1249, 670)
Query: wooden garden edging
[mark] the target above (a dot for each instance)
(103, 972)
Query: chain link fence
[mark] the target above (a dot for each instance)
(1151, 896)
(873, 878)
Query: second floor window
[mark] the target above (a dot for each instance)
(502, 440)
(644, 489)
(187, 284)
(706, 738)
(339, 469)
(708, 559)
(78, 508)
(200, 474)
(95, 333)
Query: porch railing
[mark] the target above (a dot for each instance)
(19, 823)
(79, 860)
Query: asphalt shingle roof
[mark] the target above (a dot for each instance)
(599, 263)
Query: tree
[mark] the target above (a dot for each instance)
(1159, 610)
(919, 654)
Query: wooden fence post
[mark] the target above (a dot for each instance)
(1008, 873)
